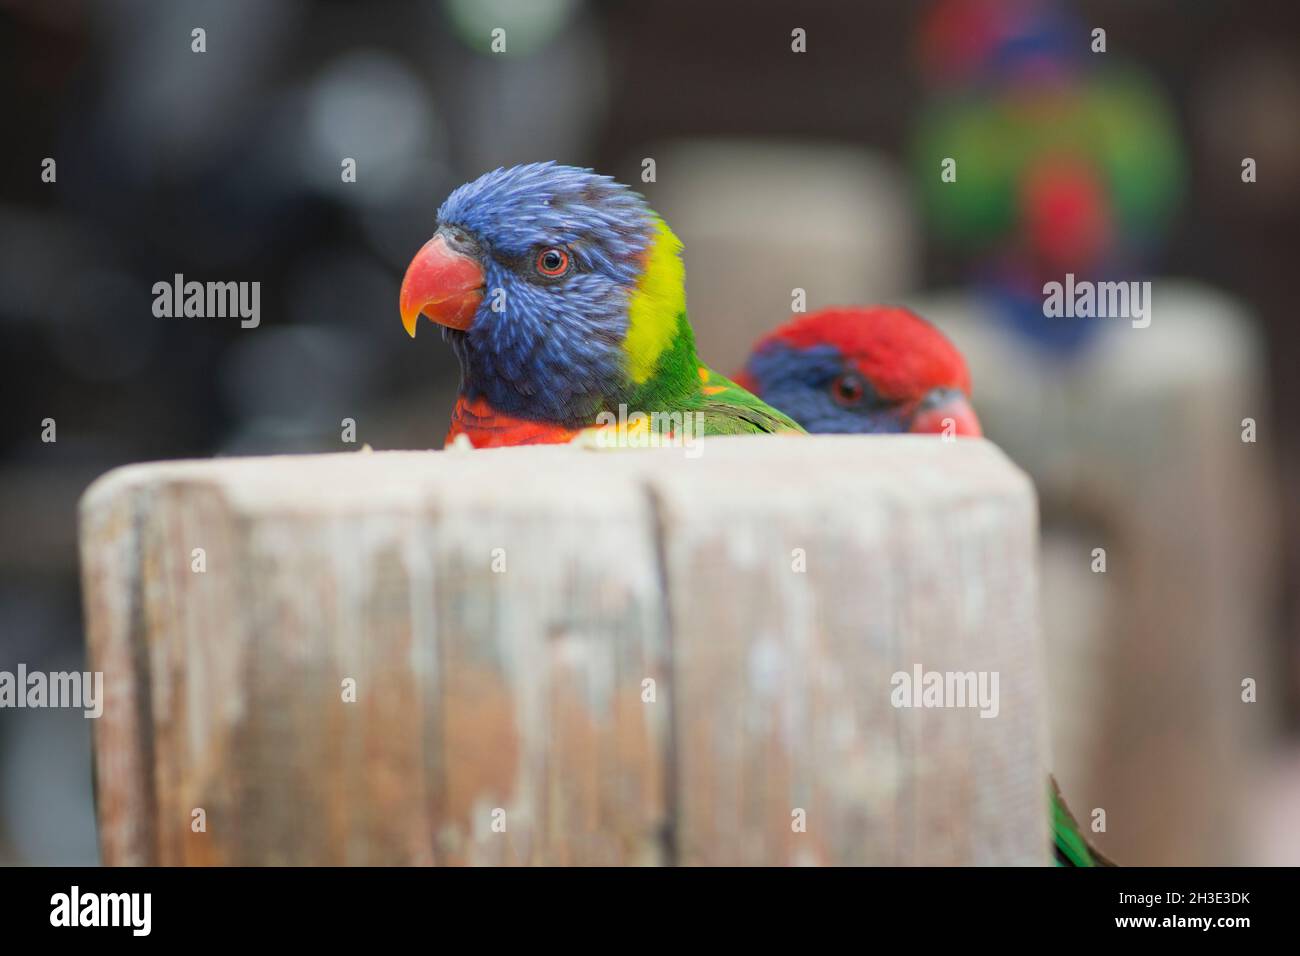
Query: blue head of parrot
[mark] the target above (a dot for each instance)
(529, 272)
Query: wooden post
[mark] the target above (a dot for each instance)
(562, 656)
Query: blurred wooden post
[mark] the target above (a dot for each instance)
(1137, 448)
(566, 657)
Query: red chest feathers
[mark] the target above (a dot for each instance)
(488, 428)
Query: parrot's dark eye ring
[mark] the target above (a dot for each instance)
(848, 390)
(552, 262)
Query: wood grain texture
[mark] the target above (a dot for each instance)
(917, 552)
(564, 656)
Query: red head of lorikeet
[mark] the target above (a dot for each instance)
(563, 296)
(875, 370)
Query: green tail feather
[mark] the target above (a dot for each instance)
(1068, 843)
(1070, 847)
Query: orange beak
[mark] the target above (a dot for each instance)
(445, 285)
(946, 410)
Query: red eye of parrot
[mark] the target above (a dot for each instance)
(848, 390)
(552, 262)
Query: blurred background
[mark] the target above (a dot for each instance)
(818, 170)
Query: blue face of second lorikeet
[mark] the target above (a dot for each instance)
(874, 370)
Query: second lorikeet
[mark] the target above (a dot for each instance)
(882, 370)
(563, 296)
(868, 371)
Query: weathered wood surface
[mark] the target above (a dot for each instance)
(1137, 449)
(519, 694)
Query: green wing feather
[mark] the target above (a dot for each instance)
(729, 409)
(681, 383)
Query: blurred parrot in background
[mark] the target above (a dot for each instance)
(1036, 156)
(882, 370)
(563, 296)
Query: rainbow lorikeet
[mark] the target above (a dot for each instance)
(868, 371)
(563, 296)
(882, 370)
